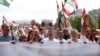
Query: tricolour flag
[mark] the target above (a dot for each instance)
(73, 3)
(84, 19)
(65, 10)
(15, 27)
(5, 3)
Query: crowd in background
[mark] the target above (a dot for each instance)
(87, 35)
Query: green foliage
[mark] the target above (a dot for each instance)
(90, 21)
(99, 22)
(33, 21)
(38, 24)
(76, 22)
(95, 23)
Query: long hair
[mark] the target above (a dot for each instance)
(28, 35)
(35, 38)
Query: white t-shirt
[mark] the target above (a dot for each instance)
(41, 35)
(84, 39)
(63, 40)
(47, 40)
(70, 40)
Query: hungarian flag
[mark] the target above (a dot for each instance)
(5, 3)
(15, 27)
(5, 21)
(65, 10)
(73, 3)
(84, 19)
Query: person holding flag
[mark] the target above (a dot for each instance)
(86, 33)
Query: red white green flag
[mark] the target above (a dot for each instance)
(65, 10)
(84, 19)
(5, 3)
(15, 27)
(73, 3)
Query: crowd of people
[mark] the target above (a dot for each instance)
(87, 35)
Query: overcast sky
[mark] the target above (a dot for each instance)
(40, 9)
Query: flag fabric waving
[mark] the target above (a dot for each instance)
(15, 27)
(5, 3)
(18, 29)
(70, 2)
(73, 3)
(65, 10)
(84, 19)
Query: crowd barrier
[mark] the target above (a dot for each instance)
(48, 49)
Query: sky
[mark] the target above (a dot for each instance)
(39, 9)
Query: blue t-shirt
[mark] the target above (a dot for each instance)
(7, 38)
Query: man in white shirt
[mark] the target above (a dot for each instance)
(86, 35)
(50, 38)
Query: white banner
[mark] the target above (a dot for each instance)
(48, 49)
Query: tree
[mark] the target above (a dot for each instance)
(76, 22)
(95, 23)
(33, 21)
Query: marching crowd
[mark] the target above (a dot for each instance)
(87, 35)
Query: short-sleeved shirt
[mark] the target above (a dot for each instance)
(84, 39)
(70, 40)
(46, 40)
(7, 38)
